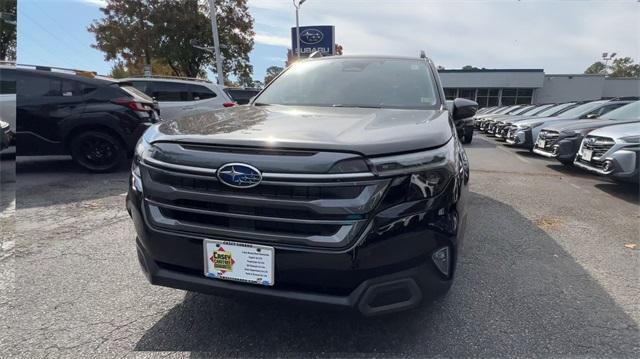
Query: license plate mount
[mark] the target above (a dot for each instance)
(240, 262)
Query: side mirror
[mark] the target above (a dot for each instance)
(463, 108)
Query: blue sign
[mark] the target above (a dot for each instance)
(314, 38)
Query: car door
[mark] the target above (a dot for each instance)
(205, 99)
(43, 104)
(174, 98)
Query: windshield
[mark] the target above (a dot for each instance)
(554, 109)
(524, 110)
(354, 82)
(539, 109)
(581, 109)
(626, 112)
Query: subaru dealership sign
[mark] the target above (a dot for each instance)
(314, 38)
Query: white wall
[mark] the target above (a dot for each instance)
(620, 87)
(562, 88)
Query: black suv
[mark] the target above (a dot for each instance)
(317, 191)
(96, 121)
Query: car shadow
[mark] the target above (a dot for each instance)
(573, 171)
(43, 181)
(517, 292)
(629, 192)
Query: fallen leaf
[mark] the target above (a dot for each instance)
(631, 245)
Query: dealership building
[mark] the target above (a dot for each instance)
(493, 87)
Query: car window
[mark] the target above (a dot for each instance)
(168, 91)
(379, 83)
(199, 92)
(604, 109)
(7, 81)
(141, 86)
(581, 110)
(627, 112)
(36, 86)
(555, 109)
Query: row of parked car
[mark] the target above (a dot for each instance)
(97, 120)
(600, 136)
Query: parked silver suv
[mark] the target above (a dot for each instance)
(612, 151)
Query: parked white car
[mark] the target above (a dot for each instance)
(8, 95)
(180, 97)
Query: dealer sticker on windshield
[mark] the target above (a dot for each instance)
(240, 262)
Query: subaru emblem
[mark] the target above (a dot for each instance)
(239, 175)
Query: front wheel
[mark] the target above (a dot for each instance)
(97, 151)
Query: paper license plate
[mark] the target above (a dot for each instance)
(240, 262)
(541, 144)
(587, 154)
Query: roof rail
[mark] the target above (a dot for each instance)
(83, 73)
(625, 98)
(170, 78)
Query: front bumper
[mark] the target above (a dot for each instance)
(519, 138)
(389, 267)
(621, 162)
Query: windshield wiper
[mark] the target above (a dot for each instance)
(356, 106)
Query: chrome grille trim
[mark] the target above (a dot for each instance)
(266, 175)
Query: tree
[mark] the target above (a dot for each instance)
(8, 30)
(159, 33)
(272, 72)
(596, 68)
(624, 67)
(469, 67)
(620, 67)
(440, 68)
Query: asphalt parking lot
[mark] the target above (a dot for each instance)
(548, 269)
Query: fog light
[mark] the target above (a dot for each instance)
(555, 149)
(608, 166)
(441, 259)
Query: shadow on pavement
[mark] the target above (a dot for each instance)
(517, 292)
(44, 181)
(573, 171)
(629, 192)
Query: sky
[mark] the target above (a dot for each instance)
(557, 36)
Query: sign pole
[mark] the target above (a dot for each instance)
(216, 41)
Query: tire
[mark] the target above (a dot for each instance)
(97, 151)
(468, 136)
(568, 163)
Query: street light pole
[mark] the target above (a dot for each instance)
(298, 26)
(606, 57)
(216, 42)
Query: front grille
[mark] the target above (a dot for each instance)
(550, 138)
(599, 145)
(325, 213)
(264, 190)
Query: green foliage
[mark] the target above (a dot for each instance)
(469, 67)
(624, 67)
(620, 67)
(597, 67)
(8, 30)
(159, 32)
(272, 72)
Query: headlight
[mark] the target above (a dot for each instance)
(429, 171)
(630, 139)
(3, 125)
(141, 150)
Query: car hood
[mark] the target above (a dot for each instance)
(586, 124)
(617, 131)
(361, 130)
